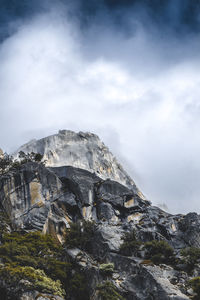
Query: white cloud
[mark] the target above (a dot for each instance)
(148, 114)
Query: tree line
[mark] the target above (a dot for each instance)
(7, 162)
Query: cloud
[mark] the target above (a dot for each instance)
(139, 92)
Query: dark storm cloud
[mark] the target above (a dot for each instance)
(165, 17)
(172, 16)
(176, 16)
(13, 12)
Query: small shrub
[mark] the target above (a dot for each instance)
(159, 252)
(30, 157)
(191, 257)
(158, 259)
(73, 236)
(130, 245)
(5, 223)
(8, 163)
(107, 291)
(195, 285)
(57, 269)
(26, 260)
(12, 249)
(78, 287)
(107, 269)
(80, 235)
(37, 244)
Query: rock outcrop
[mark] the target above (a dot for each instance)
(1, 153)
(81, 150)
(50, 199)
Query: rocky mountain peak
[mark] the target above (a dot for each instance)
(82, 150)
(107, 242)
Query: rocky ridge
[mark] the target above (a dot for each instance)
(50, 199)
(81, 150)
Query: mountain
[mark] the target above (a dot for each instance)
(80, 150)
(70, 221)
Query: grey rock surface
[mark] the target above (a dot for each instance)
(1, 153)
(146, 282)
(82, 150)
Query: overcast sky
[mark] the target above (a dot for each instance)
(126, 70)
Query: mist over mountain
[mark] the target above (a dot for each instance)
(126, 70)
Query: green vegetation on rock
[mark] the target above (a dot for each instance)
(108, 291)
(33, 278)
(7, 162)
(195, 285)
(30, 157)
(130, 245)
(80, 235)
(78, 287)
(5, 223)
(159, 252)
(40, 263)
(191, 257)
(107, 269)
(34, 257)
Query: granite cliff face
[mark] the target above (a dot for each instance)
(80, 150)
(50, 199)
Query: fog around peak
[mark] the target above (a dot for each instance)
(126, 71)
